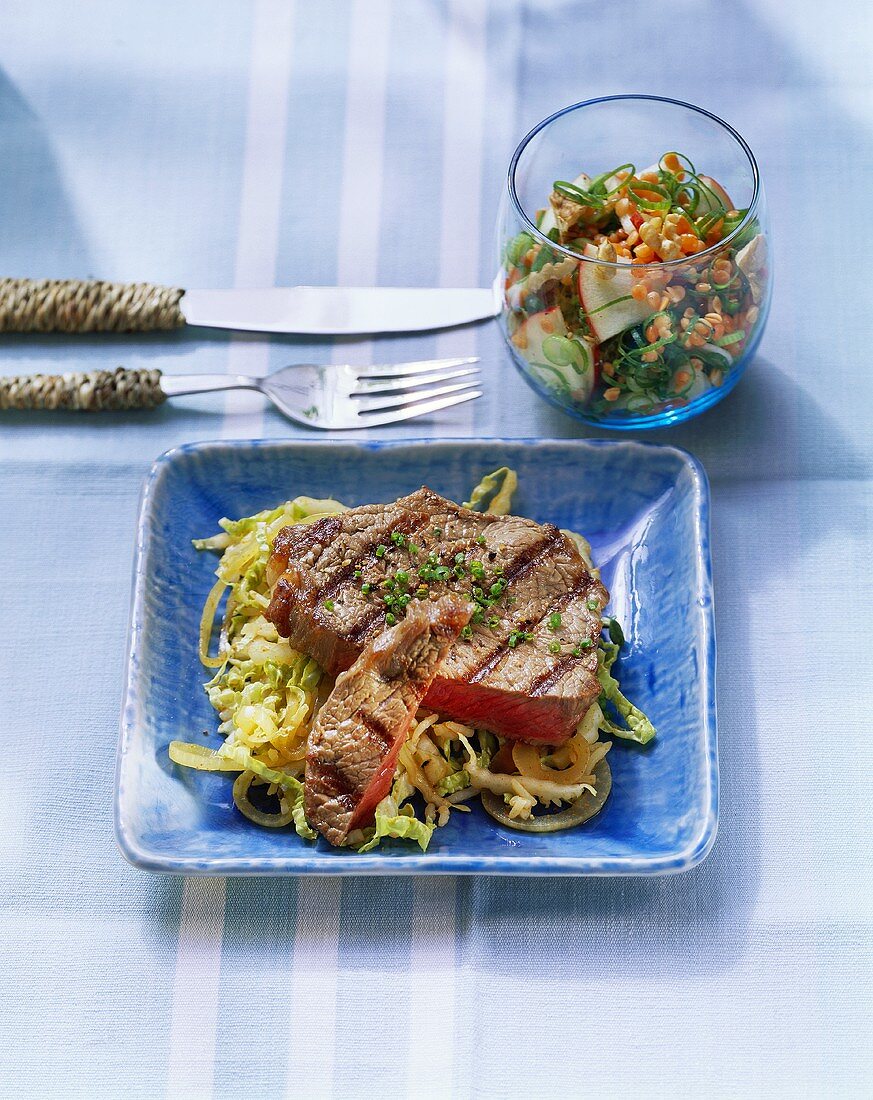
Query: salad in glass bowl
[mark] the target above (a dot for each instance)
(634, 296)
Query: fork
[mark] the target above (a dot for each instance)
(328, 397)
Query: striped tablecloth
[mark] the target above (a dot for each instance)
(246, 144)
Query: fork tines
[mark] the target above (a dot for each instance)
(388, 393)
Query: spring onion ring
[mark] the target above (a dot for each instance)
(285, 816)
(206, 621)
(585, 807)
(201, 758)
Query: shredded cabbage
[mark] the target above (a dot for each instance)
(638, 727)
(401, 827)
(500, 486)
(395, 817)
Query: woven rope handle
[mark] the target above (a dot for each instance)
(77, 305)
(92, 391)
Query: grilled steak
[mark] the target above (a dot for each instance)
(329, 596)
(358, 732)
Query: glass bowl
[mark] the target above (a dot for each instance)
(633, 297)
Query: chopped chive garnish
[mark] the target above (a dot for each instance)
(517, 637)
(493, 622)
(413, 549)
(437, 532)
(460, 558)
(390, 619)
(357, 574)
(459, 571)
(467, 632)
(402, 578)
(381, 550)
(398, 538)
(554, 622)
(554, 647)
(328, 605)
(480, 540)
(421, 592)
(366, 589)
(477, 616)
(593, 603)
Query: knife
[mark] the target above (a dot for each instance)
(79, 306)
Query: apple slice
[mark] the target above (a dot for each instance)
(533, 330)
(706, 205)
(608, 302)
(562, 362)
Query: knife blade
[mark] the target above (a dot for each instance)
(337, 311)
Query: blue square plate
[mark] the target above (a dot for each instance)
(644, 509)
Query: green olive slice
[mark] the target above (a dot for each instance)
(586, 806)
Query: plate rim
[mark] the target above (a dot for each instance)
(420, 863)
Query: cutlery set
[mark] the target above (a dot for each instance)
(329, 397)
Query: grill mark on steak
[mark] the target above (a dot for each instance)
(366, 559)
(524, 562)
(582, 585)
(333, 782)
(540, 684)
(357, 634)
(377, 729)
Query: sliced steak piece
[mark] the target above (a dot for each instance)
(353, 745)
(328, 599)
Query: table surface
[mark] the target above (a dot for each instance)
(230, 144)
